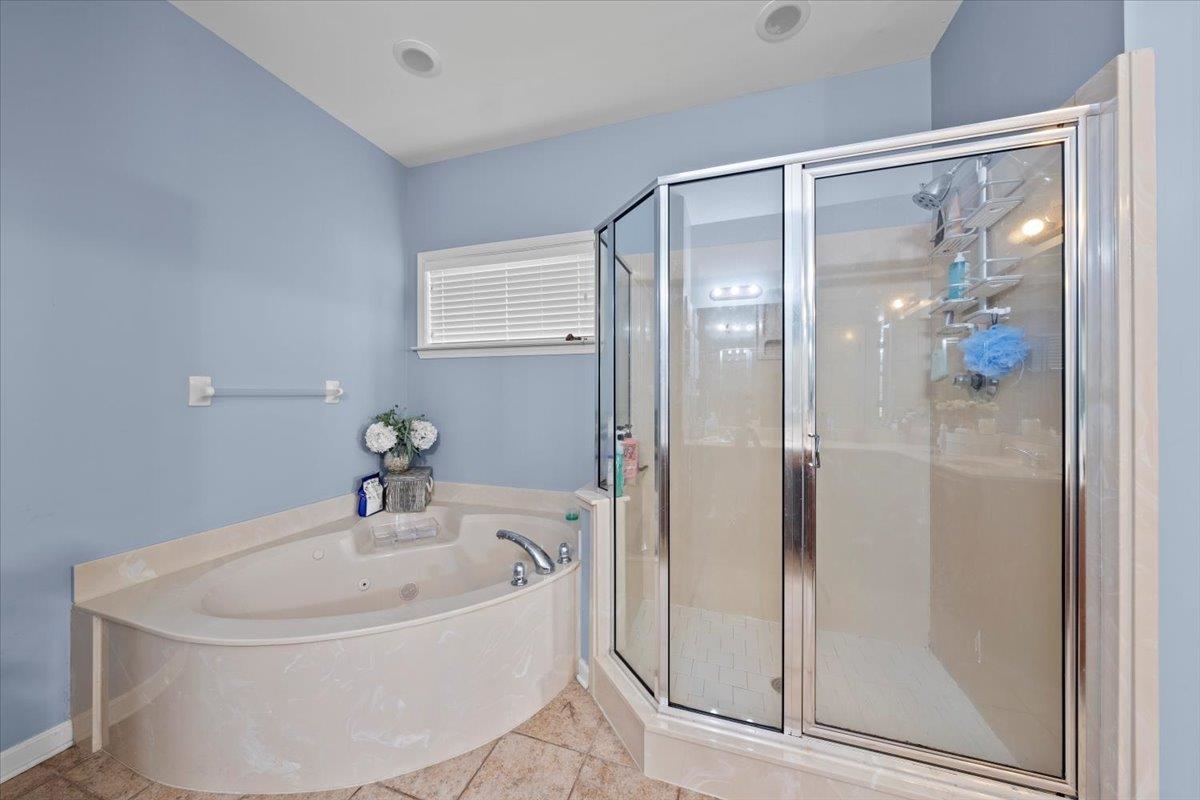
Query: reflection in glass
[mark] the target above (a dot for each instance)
(631, 475)
(726, 436)
(939, 561)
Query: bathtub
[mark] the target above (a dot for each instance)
(325, 660)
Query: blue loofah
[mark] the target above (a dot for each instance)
(994, 352)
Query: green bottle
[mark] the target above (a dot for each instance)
(619, 467)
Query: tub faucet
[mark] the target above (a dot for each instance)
(542, 564)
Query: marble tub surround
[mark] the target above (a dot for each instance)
(122, 570)
(322, 660)
(546, 500)
(332, 581)
(111, 573)
(566, 751)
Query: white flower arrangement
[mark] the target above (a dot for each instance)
(422, 433)
(380, 437)
(400, 435)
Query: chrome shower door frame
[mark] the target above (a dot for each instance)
(1067, 126)
(801, 457)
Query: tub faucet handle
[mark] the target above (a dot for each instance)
(519, 578)
(564, 553)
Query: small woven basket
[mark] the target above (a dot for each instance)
(407, 492)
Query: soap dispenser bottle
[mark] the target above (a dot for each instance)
(956, 282)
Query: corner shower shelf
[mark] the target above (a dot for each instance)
(993, 285)
(954, 244)
(991, 212)
(956, 329)
(999, 266)
(955, 303)
(987, 315)
(982, 214)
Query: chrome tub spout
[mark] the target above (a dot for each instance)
(542, 564)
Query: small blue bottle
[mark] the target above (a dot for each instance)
(957, 283)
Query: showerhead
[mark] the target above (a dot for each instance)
(931, 195)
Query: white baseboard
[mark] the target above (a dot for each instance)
(34, 750)
(581, 673)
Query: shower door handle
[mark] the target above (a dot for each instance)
(816, 450)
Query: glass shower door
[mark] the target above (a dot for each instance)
(629, 466)
(939, 526)
(725, 367)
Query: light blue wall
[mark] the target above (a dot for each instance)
(169, 208)
(1173, 30)
(1001, 58)
(529, 421)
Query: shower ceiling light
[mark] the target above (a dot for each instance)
(417, 57)
(747, 292)
(1033, 226)
(898, 303)
(781, 19)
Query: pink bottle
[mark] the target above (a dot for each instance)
(630, 455)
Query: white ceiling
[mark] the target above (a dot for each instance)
(516, 71)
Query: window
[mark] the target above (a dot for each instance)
(509, 298)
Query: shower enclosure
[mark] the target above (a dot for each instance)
(838, 421)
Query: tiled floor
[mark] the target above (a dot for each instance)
(566, 751)
(899, 691)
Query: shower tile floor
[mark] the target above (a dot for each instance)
(725, 664)
(900, 691)
(566, 751)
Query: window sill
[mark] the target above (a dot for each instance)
(506, 350)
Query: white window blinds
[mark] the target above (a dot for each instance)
(537, 294)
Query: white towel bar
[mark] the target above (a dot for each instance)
(201, 391)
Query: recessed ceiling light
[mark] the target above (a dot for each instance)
(781, 19)
(417, 58)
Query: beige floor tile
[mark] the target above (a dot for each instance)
(107, 778)
(58, 789)
(20, 784)
(570, 720)
(69, 758)
(609, 747)
(332, 794)
(444, 780)
(158, 791)
(603, 780)
(521, 768)
(688, 794)
(378, 792)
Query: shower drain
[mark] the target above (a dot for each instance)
(408, 591)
